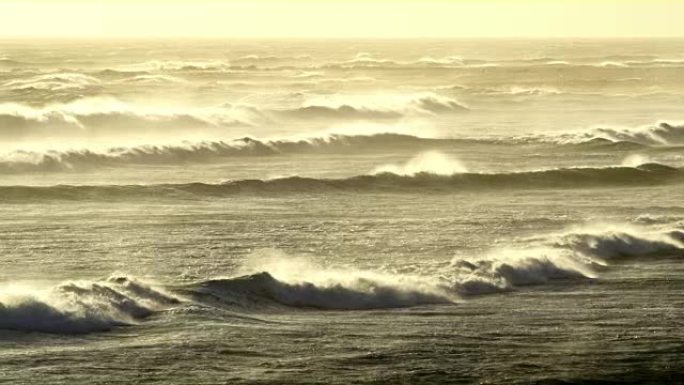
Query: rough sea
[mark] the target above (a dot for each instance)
(342, 212)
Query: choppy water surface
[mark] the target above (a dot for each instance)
(498, 212)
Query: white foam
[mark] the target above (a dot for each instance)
(432, 162)
(78, 306)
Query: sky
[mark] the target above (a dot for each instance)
(341, 19)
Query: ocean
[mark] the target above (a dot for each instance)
(342, 212)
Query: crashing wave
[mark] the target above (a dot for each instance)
(661, 134)
(280, 280)
(623, 241)
(80, 306)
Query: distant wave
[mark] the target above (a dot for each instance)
(18, 162)
(644, 175)
(428, 103)
(154, 79)
(26, 161)
(433, 162)
(80, 306)
(660, 134)
(105, 115)
(97, 115)
(53, 82)
(177, 65)
(362, 60)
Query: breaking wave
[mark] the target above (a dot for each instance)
(59, 161)
(262, 289)
(661, 134)
(80, 306)
(274, 279)
(281, 280)
(271, 280)
(98, 115)
(53, 82)
(104, 115)
(615, 242)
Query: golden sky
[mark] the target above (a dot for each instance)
(342, 18)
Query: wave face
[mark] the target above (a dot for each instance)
(644, 175)
(80, 307)
(262, 289)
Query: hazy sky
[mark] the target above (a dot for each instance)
(336, 18)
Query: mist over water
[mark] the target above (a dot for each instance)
(447, 211)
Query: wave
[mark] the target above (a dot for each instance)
(80, 306)
(153, 79)
(619, 242)
(177, 65)
(273, 281)
(271, 59)
(433, 162)
(644, 175)
(105, 115)
(281, 280)
(53, 82)
(22, 161)
(262, 289)
(660, 134)
(575, 255)
(368, 107)
(98, 115)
